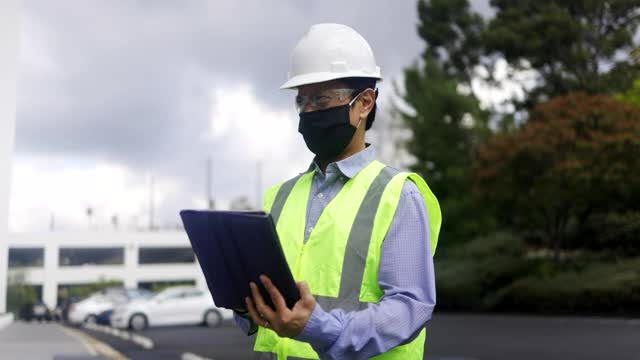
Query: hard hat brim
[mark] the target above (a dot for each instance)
(313, 78)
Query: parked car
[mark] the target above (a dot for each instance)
(26, 311)
(56, 313)
(104, 318)
(65, 305)
(87, 310)
(40, 312)
(180, 305)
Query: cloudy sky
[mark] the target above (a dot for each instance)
(114, 93)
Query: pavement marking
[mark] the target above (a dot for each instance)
(139, 340)
(93, 345)
(192, 356)
(142, 341)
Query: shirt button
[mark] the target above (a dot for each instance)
(320, 195)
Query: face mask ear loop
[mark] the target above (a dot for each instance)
(354, 100)
(351, 103)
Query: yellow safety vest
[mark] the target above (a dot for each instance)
(341, 258)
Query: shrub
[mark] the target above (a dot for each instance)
(602, 288)
(478, 269)
(613, 232)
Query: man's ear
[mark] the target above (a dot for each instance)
(368, 99)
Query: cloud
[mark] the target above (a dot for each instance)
(110, 92)
(108, 189)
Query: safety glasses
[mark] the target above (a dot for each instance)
(323, 99)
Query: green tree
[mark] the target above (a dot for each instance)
(446, 120)
(574, 45)
(84, 290)
(576, 156)
(19, 293)
(631, 96)
(452, 33)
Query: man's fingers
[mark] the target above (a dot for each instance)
(263, 309)
(303, 288)
(276, 297)
(305, 293)
(253, 312)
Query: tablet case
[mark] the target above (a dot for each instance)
(234, 248)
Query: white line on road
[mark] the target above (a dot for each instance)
(192, 356)
(140, 340)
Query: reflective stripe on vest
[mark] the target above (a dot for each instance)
(341, 258)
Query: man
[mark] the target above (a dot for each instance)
(358, 235)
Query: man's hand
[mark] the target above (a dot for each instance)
(285, 322)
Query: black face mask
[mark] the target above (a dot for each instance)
(327, 132)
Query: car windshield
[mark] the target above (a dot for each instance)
(139, 294)
(169, 294)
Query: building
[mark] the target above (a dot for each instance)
(9, 35)
(56, 260)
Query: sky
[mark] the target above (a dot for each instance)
(114, 96)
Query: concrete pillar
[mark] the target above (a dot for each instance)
(131, 264)
(50, 283)
(9, 40)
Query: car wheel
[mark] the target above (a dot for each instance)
(138, 322)
(91, 319)
(212, 318)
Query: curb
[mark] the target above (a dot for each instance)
(93, 345)
(5, 320)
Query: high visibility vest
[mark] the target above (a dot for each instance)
(341, 258)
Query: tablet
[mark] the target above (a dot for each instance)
(234, 248)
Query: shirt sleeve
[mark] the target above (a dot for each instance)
(245, 323)
(406, 276)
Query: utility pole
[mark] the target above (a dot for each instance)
(114, 222)
(259, 185)
(210, 204)
(90, 216)
(151, 189)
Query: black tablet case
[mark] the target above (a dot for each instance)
(234, 248)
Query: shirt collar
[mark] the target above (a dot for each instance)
(352, 165)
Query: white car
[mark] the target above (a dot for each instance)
(180, 305)
(87, 310)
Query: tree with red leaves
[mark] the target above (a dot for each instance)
(577, 155)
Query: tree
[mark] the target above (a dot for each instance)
(452, 33)
(446, 121)
(574, 45)
(575, 156)
(631, 96)
(20, 295)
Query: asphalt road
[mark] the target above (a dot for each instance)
(449, 337)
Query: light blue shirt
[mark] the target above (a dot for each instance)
(406, 275)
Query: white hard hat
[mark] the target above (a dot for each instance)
(330, 51)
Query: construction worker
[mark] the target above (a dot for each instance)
(359, 236)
